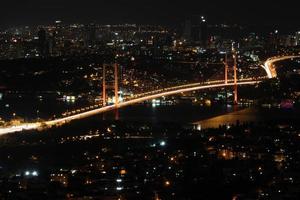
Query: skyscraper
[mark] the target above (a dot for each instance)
(43, 45)
(187, 33)
(196, 30)
(297, 38)
(90, 34)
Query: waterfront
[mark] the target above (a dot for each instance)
(131, 159)
(144, 101)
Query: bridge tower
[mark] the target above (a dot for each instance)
(226, 69)
(235, 101)
(104, 84)
(116, 85)
(116, 92)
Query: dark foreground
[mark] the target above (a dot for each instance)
(120, 160)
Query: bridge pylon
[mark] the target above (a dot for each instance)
(104, 84)
(226, 69)
(116, 84)
(235, 101)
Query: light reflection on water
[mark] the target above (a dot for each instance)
(251, 115)
(181, 113)
(206, 116)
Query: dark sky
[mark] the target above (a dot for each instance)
(263, 12)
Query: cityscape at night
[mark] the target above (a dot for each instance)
(149, 100)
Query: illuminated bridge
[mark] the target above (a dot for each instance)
(268, 66)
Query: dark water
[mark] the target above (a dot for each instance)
(206, 116)
(32, 108)
(255, 115)
(181, 113)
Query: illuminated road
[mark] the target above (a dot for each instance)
(137, 99)
(269, 65)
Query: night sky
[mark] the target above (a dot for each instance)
(261, 12)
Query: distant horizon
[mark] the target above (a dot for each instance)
(258, 28)
(255, 12)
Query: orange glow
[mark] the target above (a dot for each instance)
(167, 183)
(123, 172)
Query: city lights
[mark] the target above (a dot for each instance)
(149, 100)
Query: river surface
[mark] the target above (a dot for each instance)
(186, 113)
(206, 117)
(254, 114)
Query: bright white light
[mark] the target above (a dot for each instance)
(162, 143)
(34, 173)
(27, 173)
(119, 188)
(119, 180)
(153, 145)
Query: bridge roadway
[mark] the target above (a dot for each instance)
(137, 99)
(268, 66)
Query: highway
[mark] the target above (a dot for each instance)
(145, 97)
(269, 65)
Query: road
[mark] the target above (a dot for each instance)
(269, 65)
(145, 97)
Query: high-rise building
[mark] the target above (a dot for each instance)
(52, 44)
(196, 30)
(90, 34)
(297, 38)
(43, 46)
(187, 33)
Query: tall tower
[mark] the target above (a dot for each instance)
(116, 85)
(235, 78)
(90, 34)
(116, 92)
(187, 32)
(116, 88)
(104, 85)
(226, 69)
(199, 32)
(297, 37)
(42, 42)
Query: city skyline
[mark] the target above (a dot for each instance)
(149, 100)
(258, 13)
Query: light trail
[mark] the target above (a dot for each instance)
(153, 95)
(269, 65)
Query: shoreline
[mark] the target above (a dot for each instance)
(244, 115)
